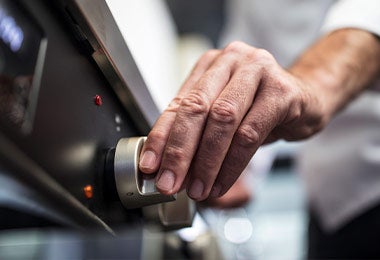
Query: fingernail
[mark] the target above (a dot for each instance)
(148, 160)
(215, 191)
(166, 181)
(196, 189)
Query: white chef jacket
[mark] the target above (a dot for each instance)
(341, 165)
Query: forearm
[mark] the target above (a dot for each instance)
(340, 66)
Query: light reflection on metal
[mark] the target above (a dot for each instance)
(199, 227)
(79, 155)
(10, 32)
(118, 119)
(179, 213)
(116, 62)
(118, 122)
(25, 171)
(135, 189)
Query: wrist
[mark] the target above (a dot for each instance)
(319, 88)
(339, 67)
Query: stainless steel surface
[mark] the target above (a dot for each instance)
(135, 189)
(110, 52)
(177, 214)
(58, 200)
(172, 215)
(65, 150)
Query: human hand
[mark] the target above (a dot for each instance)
(234, 100)
(239, 195)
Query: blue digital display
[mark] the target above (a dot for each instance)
(10, 32)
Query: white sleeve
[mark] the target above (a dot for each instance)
(363, 14)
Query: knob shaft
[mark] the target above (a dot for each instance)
(134, 188)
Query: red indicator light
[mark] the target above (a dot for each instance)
(98, 100)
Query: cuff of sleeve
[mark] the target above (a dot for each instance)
(363, 15)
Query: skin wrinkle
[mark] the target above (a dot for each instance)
(250, 73)
(212, 149)
(213, 143)
(158, 134)
(206, 168)
(237, 164)
(195, 104)
(246, 136)
(178, 131)
(175, 153)
(239, 159)
(185, 167)
(266, 100)
(224, 112)
(265, 109)
(174, 105)
(215, 139)
(243, 77)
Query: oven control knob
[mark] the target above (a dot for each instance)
(134, 189)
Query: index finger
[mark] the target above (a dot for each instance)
(151, 153)
(187, 129)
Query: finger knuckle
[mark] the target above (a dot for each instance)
(235, 47)
(208, 166)
(175, 154)
(174, 105)
(276, 89)
(295, 111)
(157, 135)
(224, 112)
(313, 126)
(250, 55)
(293, 104)
(247, 136)
(263, 55)
(209, 55)
(195, 104)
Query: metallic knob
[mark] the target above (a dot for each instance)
(174, 214)
(177, 214)
(135, 189)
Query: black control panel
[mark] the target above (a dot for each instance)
(60, 113)
(22, 49)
